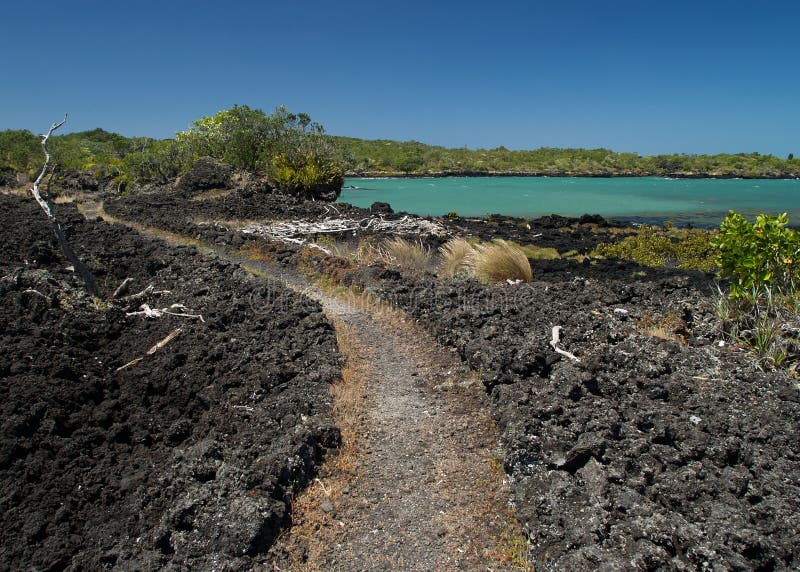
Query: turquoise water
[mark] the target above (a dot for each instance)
(700, 202)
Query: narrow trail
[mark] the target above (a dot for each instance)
(418, 484)
(425, 490)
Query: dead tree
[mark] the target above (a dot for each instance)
(46, 202)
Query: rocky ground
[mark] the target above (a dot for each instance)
(658, 448)
(143, 443)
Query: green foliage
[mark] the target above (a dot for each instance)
(306, 174)
(20, 151)
(377, 157)
(764, 254)
(651, 246)
(762, 308)
(289, 148)
(155, 161)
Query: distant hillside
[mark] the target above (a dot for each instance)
(391, 158)
(120, 160)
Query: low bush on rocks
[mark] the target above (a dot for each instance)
(761, 308)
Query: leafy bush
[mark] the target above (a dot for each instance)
(762, 308)
(290, 149)
(20, 151)
(310, 175)
(758, 255)
(156, 162)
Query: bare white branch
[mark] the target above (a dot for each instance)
(148, 312)
(296, 232)
(47, 206)
(555, 341)
(171, 336)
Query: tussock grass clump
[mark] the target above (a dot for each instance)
(499, 261)
(454, 257)
(405, 254)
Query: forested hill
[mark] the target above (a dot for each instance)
(294, 152)
(391, 158)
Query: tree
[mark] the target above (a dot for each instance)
(46, 202)
(290, 149)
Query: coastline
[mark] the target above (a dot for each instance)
(560, 175)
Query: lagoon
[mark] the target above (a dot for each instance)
(697, 202)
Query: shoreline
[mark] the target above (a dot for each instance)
(493, 174)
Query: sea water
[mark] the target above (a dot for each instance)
(698, 202)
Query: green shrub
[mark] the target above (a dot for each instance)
(156, 162)
(308, 174)
(654, 247)
(762, 308)
(758, 255)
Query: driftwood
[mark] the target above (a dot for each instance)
(555, 341)
(295, 232)
(148, 312)
(46, 202)
(171, 336)
(122, 289)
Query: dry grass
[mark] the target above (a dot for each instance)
(411, 256)
(454, 257)
(500, 261)
(365, 251)
(252, 251)
(313, 529)
(670, 326)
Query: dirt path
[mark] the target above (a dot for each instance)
(418, 484)
(421, 488)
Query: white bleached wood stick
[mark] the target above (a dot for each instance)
(554, 342)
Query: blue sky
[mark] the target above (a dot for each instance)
(649, 76)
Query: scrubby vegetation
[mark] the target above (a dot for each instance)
(454, 257)
(762, 307)
(288, 148)
(664, 247)
(296, 154)
(499, 261)
(413, 256)
(376, 157)
(491, 262)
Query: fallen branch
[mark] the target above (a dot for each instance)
(171, 336)
(144, 293)
(47, 206)
(555, 341)
(148, 312)
(296, 232)
(122, 289)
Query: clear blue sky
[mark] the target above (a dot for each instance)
(650, 76)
